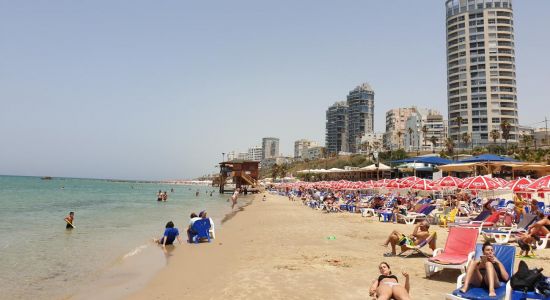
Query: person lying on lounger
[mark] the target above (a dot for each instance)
(387, 285)
(420, 234)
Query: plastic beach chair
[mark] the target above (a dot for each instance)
(459, 250)
(502, 234)
(202, 228)
(506, 254)
(449, 218)
(411, 218)
(408, 250)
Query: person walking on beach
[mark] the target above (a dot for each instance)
(70, 220)
(197, 193)
(234, 198)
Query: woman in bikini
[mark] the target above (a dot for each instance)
(487, 272)
(387, 285)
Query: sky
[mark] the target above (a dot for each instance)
(159, 89)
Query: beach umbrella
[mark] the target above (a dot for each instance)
(393, 184)
(409, 180)
(501, 181)
(448, 181)
(480, 183)
(519, 185)
(381, 182)
(424, 185)
(541, 185)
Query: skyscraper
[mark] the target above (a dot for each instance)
(360, 103)
(481, 71)
(270, 147)
(336, 138)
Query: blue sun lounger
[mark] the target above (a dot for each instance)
(506, 254)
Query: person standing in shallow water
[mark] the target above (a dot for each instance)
(70, 220)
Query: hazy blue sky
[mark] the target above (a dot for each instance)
(159, 89)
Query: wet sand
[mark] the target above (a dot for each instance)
(280, 249)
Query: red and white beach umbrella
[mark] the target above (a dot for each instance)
(448, 182)
(381, 182)
(519, 185)
(409, 181)
(480, 183)
(394, 184)
(424, 185)
(503, 182)
(540, 185)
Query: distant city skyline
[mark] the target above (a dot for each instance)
(142, 90)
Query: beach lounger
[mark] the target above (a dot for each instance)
(480, 225)
(506, 254)
(202, 228)
(459, 250)
(412, 249)
(502, 235)
(543, 242)
(412, 217)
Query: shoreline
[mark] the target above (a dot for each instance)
(133, 270)
(280, 249)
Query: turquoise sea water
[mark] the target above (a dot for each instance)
(115, 221)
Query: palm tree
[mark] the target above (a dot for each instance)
(505, 127)
(433, 140)
(526, 140)
(424, 133)
(399, 134)
(274, 171)
(450, 145)
(458, 121)
(465, 138)
(495, 134)
(283, 170)
(410, 130)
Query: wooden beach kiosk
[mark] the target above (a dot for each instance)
(243, 172)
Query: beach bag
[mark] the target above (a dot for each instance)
(525, 279)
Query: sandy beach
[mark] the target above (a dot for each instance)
(280, 249)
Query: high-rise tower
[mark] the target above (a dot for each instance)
(336, 139)
(360, 103)
(481, 71)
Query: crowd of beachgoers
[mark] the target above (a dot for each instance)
(468, 208)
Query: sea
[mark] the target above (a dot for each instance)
(110, 251)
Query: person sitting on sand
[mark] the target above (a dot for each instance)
(420, 234)
(170, 235)
(487, 272)
(387, 285)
